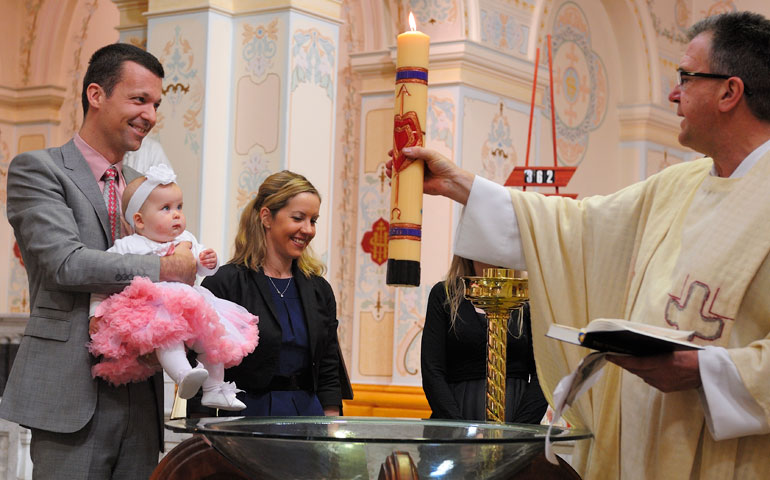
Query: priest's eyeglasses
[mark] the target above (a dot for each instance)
(683, 75)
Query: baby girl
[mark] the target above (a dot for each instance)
(164, 317)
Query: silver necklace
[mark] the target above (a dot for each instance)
(276, 288)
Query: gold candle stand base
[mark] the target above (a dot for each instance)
(497, 292)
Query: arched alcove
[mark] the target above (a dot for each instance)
(374, 24)
(637, 51)
(54, 38)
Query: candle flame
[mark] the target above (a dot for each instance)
(412, 23)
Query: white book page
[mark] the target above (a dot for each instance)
(610, 324)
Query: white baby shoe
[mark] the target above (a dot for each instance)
(222, 396)
(192, 381)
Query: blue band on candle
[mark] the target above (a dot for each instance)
(397, 232)
(402, 75)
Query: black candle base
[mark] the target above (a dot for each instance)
(403, 273)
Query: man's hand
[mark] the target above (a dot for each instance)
(93, 325)
(179, 267)
(150, 360)
(208, 258)
(125, 228)
(442, 177)
(671, 372)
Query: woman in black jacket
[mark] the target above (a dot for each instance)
(297, 367)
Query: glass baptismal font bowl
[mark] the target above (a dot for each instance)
(358, 447)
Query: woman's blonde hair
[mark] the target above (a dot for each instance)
(274, 193)
(455, 291)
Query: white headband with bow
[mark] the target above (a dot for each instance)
(156, 175)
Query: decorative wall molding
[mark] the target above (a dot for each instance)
(650, 123)
(131, 14)
(373, 64)
(328, 10)
(38, 104)
(461, 62)
(12, 325)
(347, 148)
(133, 22)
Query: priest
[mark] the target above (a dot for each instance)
(686, 248)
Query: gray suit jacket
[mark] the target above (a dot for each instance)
(60, 221)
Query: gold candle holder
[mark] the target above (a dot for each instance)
(497, 292)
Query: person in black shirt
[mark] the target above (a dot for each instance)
(453, 355)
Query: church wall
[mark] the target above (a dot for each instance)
(483, 128)
(311, 108)
(585, 71)
(258, 102)
(40, 97)
(246, 91)
(343, 221)
(613, 65)
(388, 321)
(181, 44)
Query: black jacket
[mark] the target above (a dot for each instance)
(251, 289)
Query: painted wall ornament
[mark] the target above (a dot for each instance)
(375, 241)
(183, 87)
(581, 85)
(259, 47)
(441, 114)
(5, 162)
(497, 153)
(434, 11)
(314, 63)
(722, 6)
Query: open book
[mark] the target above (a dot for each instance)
(622, 336)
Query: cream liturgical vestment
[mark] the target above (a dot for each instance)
(683, 249)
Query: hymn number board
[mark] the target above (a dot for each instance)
(541, 177)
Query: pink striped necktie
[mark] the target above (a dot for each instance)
(111, 200)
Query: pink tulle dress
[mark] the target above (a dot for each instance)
(146, 316)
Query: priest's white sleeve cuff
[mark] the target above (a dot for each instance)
(729, 408)
(488, 230)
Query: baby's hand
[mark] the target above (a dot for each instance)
(208, 258)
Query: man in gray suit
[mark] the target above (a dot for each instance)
(83, 427)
